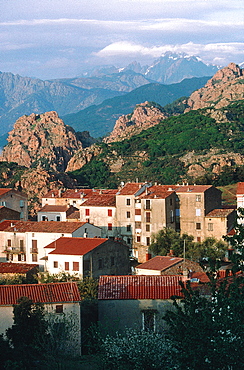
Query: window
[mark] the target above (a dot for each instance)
(21, 215)
(128, 201)
(59, 308)
(9, 242)
(149, 320)
(76, 266)
(198, 198)
(55, 264)
(171, 201)
(44, 218)
(128, 214)
(87, 212)
(198, 226)
(109, 212)
(171, 216)
(66, 266)
(128, 227)
(210, 226)
(148, 216)
(147, 227)
(198, 212)
(198, 239)
(34, 246)
(58, 218)
(138, 225)
(9, 257)
(100, 264)
(147, 240)
(34, 257)
(21, 245)
(137, 212)
(21, 257)
(110, 227)
(21, 203)
(138, 239)
(148, 204)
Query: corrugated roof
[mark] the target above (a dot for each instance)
(75, 246)
(130, 188)
(240, 188)
(16, 268)
(220, 212)
(41, 226)
(160, 263)
(101, 200)
(139, 287)
(43, 293)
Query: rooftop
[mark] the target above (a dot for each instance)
(139, 287)
(130, 188)
(16, 268)
(54, 208)
(220, 212)
(41, 226)
(75, 246)
(160, 263)
(240, 188)
(157, 191)
(43, 293)
(101, 200)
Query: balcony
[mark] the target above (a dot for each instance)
(15, 250)
(34, 250)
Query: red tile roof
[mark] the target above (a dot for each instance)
(77, 193)
(240, 188)
(130, 188)
(16, 268)
(100, 200)
(160, 263)
(157, 191)
(6, 190)
(201, 276)
(139, 287)
(75, 246)
(54, 208)
(74, 215)
(190, 188)
(43, 293)
(41, 227)
(220, 212)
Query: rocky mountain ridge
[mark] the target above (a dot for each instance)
(226, 86)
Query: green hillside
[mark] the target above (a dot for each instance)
(154, 154)
(100, 119)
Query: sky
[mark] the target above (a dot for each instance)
(50, 39)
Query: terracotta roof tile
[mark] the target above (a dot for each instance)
(240, 188)
(6, 190)
(220, 212)
(75, 246)
(190, 188)
(139, 287)
(157, 191)
(74, 215)
(160, 263)
(101, 200)
(16, 268)
(130, 188)
(54, 208)
(43, 293)
(42, 226)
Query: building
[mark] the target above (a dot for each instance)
(219, 222)
(87, 257)
(240, 195)
(24, 241)
(60, 300)
(58, 213)
(136, 301)
(15, 200)
(10, 270)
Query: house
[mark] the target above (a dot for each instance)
(136, 301)
(141, 210)
(240, 195)
(168, 265)
(219, 222)
(87, 257)
(10, 270)
(15, 200)
(100, 209)
(8, 214)
(58, 213)
(24, 241)
(60, 300)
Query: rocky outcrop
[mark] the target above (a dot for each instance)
(226, 86)
(41, 141)
(82, 157)
(144, 116)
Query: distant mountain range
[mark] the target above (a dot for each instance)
(24, 95)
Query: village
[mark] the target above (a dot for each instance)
(106, 235)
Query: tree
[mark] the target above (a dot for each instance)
(168, 239)
(207, 331)
(29, 326)
(211, 250)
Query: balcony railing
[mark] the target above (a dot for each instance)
(14, 250)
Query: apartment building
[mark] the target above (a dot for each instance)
(16, 201)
